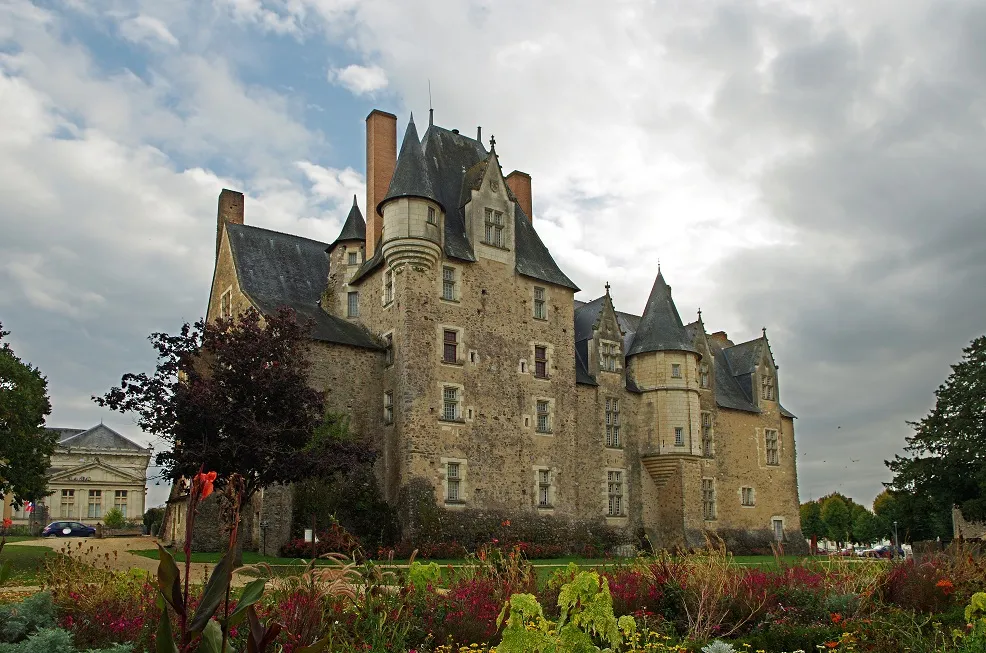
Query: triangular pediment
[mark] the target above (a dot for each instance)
(94, 472)
(101, 437)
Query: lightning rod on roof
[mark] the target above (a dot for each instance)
(431, 110)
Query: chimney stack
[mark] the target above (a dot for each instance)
(381, 157)
(230, 210)
(519, 184)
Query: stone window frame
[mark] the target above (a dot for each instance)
(622, 496)
(708, 434)
(352, 257)
(768, 389)
(461, 466)
(67, 504)
(772, 447)
(226, 304)
(539, 305)
(387, 296)
(774, 520)
(389, 351)
(388, 407)
(495, 231)
(676, 371)
(550, 415)
(456, 284)
(459, 343)
(709, 508)
(120, 501)
(432, 215)
(458, 400)
(610, 351)
(544, 487)
(611, 422)
(352, 304)
(679, 436)
(549, 359)
(704, 376)
(94, 508)
(748, 497)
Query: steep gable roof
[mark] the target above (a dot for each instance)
(354, 228)
(411, 174)
(275, 269)
(100, 437)
(660, 327)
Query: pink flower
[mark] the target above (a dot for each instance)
(205, 481)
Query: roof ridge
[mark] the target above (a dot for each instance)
(279, 233)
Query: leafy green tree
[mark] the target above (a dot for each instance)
(811, 523)
(918, 517)
(868, 528)
(944, 460)
(25, 445)
(837, 518)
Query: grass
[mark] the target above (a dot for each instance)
(21, 538)
(26, 563)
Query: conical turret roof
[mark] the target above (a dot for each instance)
(411, 178)
(660, 326)
(354, 227)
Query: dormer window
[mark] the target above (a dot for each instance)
(767, 390)
(703, 375)
(494, 229)
(609, 356)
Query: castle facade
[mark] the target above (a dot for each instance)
(447, 332)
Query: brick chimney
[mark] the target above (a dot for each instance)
(519, 184)
(230, 210)
(721, 339)
(381, 157)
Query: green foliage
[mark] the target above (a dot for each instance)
(918, 516)
(586, 617)
(836, 517)
(25, 446)
(867, 527)
(153, 516)
(811, 520)
(114, 518)
(19, 620)
(421, 575)
(943, 458)
(56, 640)
(973, 641)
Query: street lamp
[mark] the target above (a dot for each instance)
(896, 541)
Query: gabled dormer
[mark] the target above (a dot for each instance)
(766, 373)
(489, 207)
(606, 353)
(706, 365)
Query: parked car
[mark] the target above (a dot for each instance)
(68, 529)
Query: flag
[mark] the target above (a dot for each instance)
(29, 506)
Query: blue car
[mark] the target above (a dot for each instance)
(68, 529)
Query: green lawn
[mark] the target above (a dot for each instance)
(26, 563)
(20, 538)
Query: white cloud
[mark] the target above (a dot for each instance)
(147, 29)
(360, 80)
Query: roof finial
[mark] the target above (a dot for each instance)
(354, 199)
(658, 266)
(764, 331)
(492, 143)
(431, 110)
(412, 118)
(607, 287)
(700, 315)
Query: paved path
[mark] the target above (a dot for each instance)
(114, 553)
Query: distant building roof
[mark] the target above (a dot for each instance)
(354, 228)
(97, 437)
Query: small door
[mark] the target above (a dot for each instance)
(779, 530)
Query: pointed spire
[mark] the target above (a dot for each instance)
(660, 327)
(411, 178)
(355, 226)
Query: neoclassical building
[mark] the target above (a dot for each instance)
(92, 471)
(448, 333)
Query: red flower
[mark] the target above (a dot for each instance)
(8, 522)
(205, 481)
(836, 617)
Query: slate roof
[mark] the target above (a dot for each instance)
(275, 269)
(448, 156)
(354, 228)
(411, 175)
(97, 437)
(582, 364)
(660, 327)
(63, 432)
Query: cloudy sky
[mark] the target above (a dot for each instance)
(808, 166)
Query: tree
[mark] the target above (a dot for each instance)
(232, 396)
(945, 458)
(917, 516)
(25, 445)
(811, 523)
(836, 517)
(867, 527)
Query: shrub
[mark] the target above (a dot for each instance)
(334, 539)
(916, 587)
(114, 519)
(18, 620)
(56, 640)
